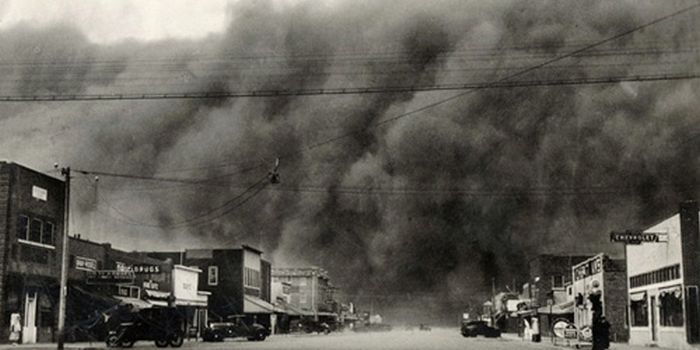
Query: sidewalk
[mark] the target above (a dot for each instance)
(72, 346)
(547, 344)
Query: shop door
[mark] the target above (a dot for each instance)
(29, 328)
(652, 312)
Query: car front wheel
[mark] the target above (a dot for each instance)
(176, 340)
(161, 343)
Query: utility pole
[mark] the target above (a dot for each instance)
(64, 260)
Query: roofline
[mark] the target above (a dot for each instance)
(24, 167)
(245, 246)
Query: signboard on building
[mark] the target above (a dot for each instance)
(110, 277)
(638, 237)
(40, 193)
(85, 264)
(150, 285)
(589, 268)
(145, 269)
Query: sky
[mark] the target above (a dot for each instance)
(434, 193)
(106, 21)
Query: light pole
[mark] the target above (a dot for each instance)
(64, 260)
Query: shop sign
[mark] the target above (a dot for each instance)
(40, 193)
(85, 264)
(150, 285)
(110, 277)
(144, 269)
(589, 268)
(564, 329)
(638, 237)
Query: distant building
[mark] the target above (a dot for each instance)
(664, 274)
(310, 291)
(238, 280)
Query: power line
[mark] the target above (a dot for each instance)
(496, 82)
(201, 218)
(350, 90)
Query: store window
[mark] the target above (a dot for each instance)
(671, 307)
(639, 310)
(213, 275)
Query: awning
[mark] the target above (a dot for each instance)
(295, 311)
(156, 294)
(559, 309)
(137, 303)
(201, 300)
(255, 305)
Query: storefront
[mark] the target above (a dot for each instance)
(187, 297)
(599, 285)
(663, 275)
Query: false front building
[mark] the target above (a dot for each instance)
(238, 280)
(664, 274)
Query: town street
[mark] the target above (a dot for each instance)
(444, 338)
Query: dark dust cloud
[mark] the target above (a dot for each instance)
(431, 248)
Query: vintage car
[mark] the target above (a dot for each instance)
(164, 326)
(218, 331)
(475, 328)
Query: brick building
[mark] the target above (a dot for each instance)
(31, 220)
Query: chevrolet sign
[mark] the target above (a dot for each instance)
(638, 237)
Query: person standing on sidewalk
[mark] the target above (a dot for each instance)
(15, 328)
(535, 330)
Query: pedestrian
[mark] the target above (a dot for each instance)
(15, 328)
(535, 330)
(603, 333)
(527, 335)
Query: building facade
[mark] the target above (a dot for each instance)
(238, 281)
(664, 273)
(310, 290)
(31, 220)
(602, 280)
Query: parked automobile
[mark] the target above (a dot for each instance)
(161, 325)
(218, 331)
(475, 328)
